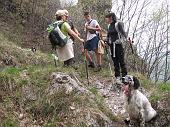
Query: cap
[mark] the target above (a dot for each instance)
(60, 13)
(66, 12)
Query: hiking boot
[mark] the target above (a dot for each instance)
(91, 65)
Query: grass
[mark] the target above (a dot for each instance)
(9, 123)
(12, 70)
(47, 107)
(22, 57)
(164, 87)
(38, 68)
(94, 90)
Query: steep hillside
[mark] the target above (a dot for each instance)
(36, 93)
(27, 20)
(13, 55)
(47, 96)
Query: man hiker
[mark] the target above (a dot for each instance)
(114, 39)
(92, 29)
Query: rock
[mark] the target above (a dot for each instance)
(72, 108)
(24, 74)
(98, 85)
(21, 116)
(63, 82)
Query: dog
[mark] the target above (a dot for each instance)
(33, 49)
(136, 103)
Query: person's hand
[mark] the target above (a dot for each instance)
(81, 40)
(103, 43)
(87, 27)
(130, 41)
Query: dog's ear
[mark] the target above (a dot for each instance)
(136, 83)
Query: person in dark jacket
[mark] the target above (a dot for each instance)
(114, 38)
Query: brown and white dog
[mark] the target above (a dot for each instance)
(137, 105)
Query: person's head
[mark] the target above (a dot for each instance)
(87, 16)
(111, 17)
(61, 15)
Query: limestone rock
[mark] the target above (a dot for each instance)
(61, 81)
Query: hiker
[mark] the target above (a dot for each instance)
(69, 20)
(101, 47)
(115, 43)
(92, 29)
(66, 53)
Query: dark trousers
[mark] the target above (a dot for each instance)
(68, 62)
(118, 60)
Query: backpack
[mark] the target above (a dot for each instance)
(56, 37)
(122, 38)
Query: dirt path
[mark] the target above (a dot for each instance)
(113, 98)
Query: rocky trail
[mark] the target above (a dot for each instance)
(113, 97)
(114, 100)
(75, 102)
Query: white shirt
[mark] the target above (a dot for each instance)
(93, 23)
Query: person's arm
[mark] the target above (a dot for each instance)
(75, 35)
(71, 32)
(96, 28)
(76, 31)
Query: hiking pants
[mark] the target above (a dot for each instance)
(118, 60)
(68, 62)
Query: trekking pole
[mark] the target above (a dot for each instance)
(86, 66)
(130, 43)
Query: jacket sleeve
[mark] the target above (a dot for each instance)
(121, 29)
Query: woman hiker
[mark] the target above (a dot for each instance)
(66, 53)
(114, 35)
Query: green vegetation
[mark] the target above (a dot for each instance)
(20, 68)
(9, 123)
(53, 109)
